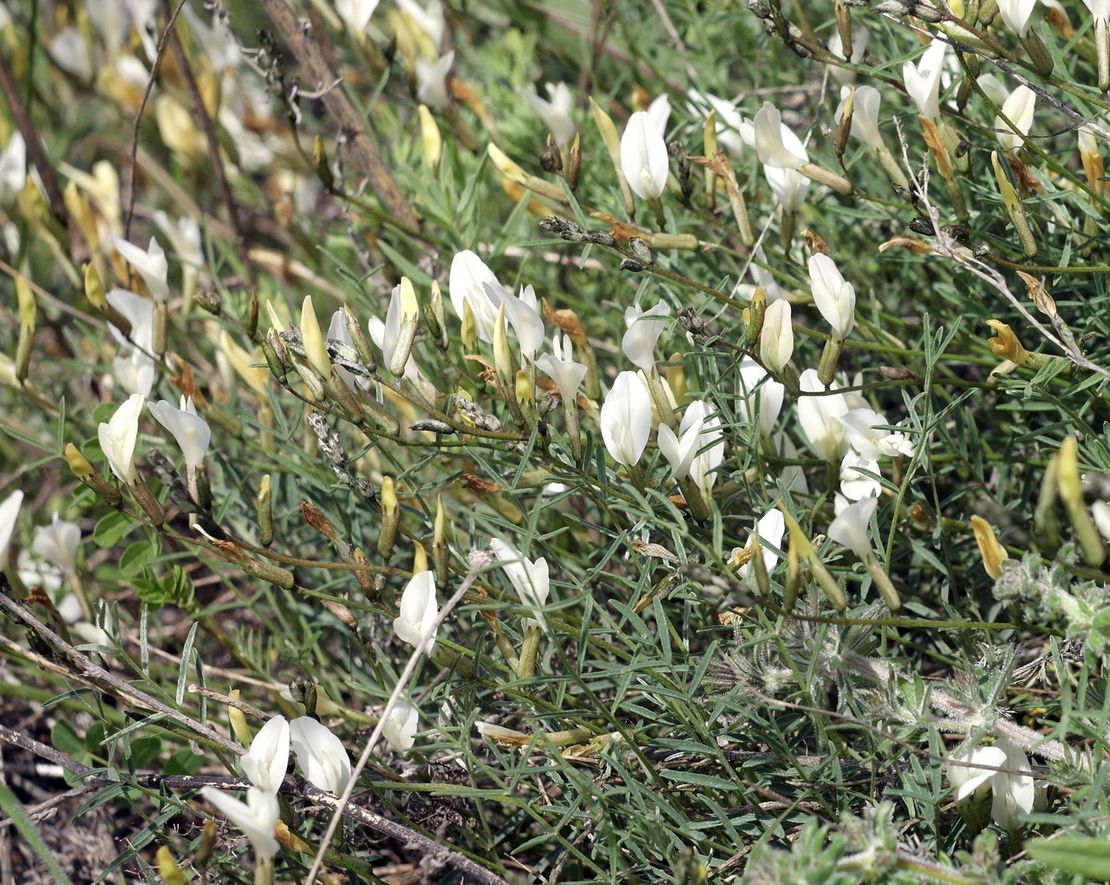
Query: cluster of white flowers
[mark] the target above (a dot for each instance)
(321, 757)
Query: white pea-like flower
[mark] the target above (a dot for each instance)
(1018, 108)
(322, 758)
(761, 396)
(863, 427)
(626, 419)
(9, 515)
(770, 529)
(356, 13)
(855, 483)
(149, 263)
(431, 80)
(265, 762)
(257, 817)
(660, 112)
(698, 448)
(560, 367)
(644, 159)
(643, 330)
(13, 168)
(770, 143)
(429, 19)
(189, 429)
(865, 114)
(57, 543)
(1015, 14)
(118, 437)
(834, 296)
(400, 726)
(470, 282)
(557, 112)
(819, 413)
(1011, 794)
(418, 612)
(776, 338)
(922, 80)
(530, 578)
(851, 528)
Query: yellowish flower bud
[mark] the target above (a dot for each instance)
(313, 339)
(78, 463)
(430, 138)
(990, 550)
(168, 870)
(502, 354)
(238, 721)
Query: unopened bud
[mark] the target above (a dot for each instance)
(238, 721)
(430, 138)
(391, 518)
(168, 870)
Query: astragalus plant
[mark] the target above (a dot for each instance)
(554, 442)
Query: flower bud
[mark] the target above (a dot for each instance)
(391, 518)
(313, 339)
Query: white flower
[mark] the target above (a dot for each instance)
(467, 282)
(431, 80)
(139, 312)
(770, 143)
(729, 120)
(558, 113)
(57, 543)
(699, 447)
(855, 484)
(1016, 13)
(852, 524)
(522, 312)
(265, 762)
(820, 417)
(356, 13)
(1098, 9)
(643, 331)
(761, 396)
(118, 436)
(70, 51)
(1011, 794)
(862, 429)
(530, 579)
(399, 728)
(149, 263)
(769, 529)
(9, 513)
(256, 817)
(429, 19)
(183, 234)
(1018, 108)
(788, 185)
(418, 612)
(860, 36)
(922, 80)
(865, 114)
(560, 367)
(217, 40)
(13, 168)
(399, 329)
(320, 754)
(834, 297)
(626, 419)
(191, 431)
(660, 112)
(776, 338)
(1100, 510)
(644, 159)
(966, 780)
